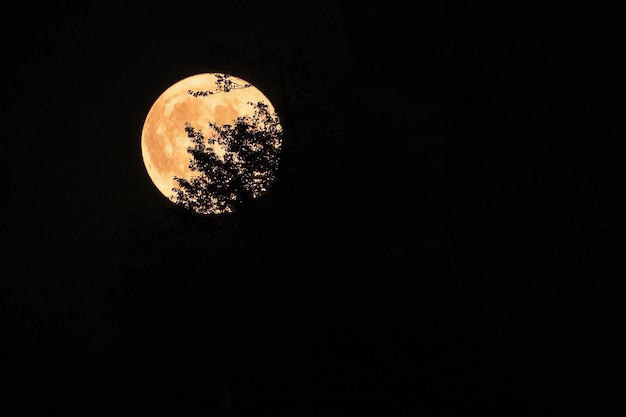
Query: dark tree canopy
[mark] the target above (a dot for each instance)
(244, 171)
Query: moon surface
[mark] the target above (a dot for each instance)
(164, 141)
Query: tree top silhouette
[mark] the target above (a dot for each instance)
(245, 170)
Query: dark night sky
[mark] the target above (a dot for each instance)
(507, 136)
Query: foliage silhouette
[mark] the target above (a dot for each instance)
(223, 83)
(246, 169)
(348, 234)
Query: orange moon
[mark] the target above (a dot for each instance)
(164, 141)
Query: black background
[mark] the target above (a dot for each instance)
(446, 238)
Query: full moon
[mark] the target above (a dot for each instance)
(197, 100)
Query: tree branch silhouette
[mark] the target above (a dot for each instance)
(224, 85)
(246, 169)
